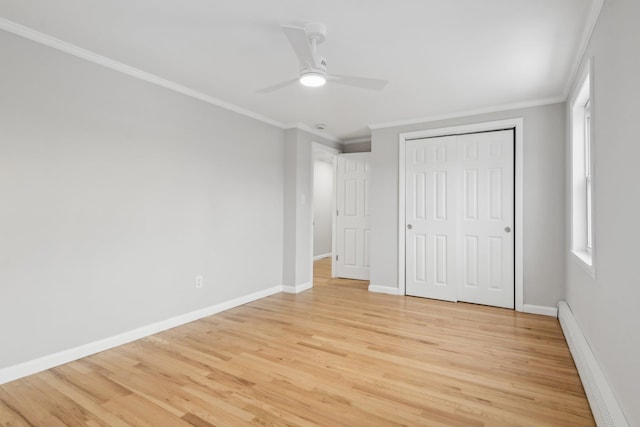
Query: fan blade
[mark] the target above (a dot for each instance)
(278, 86)
(361, 82)
(300, 43)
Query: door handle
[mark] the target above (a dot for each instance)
(409, 226)
(507, 229)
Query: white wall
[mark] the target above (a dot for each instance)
(115, 194)
(606, 308)
(544, 231)
(322, 207)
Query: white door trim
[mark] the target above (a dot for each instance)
(518, 124)
(315, 147)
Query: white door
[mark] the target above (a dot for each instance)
(460, 216)
(353, 221)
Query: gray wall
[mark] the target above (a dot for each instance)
(606, 308)
(115, 194)
(357, 147)
(544, 235)
(298, 206)
(322, 207)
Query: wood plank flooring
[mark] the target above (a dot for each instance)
(335, 355)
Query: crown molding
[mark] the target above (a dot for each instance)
(71, 49)
(494, 109)
(592, 19)
(313, 131)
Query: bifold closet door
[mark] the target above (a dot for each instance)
(459, 217)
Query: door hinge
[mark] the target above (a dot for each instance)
(337, 212)
(336, 257)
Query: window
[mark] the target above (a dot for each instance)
(581, 115)
(587, 170)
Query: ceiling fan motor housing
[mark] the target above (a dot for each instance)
(319, 68)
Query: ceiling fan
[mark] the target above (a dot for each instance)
(313, 68)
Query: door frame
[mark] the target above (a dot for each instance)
(518, 125)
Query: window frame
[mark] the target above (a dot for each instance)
(581, 127)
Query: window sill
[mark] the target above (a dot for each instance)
(585, 259)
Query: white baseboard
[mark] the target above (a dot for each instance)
(323, 256)
(384, 290)
(540, 309)
(47, 362)
(604, 405)
(297, 288)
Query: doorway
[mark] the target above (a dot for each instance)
(341, 217)
(323, 174)
(323, 200)
(454, 264)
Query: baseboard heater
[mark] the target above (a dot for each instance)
(604, 405)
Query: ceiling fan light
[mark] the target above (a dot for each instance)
(312, 80)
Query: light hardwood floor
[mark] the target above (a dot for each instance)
(335, 355)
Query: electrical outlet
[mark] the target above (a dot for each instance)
(199, 282)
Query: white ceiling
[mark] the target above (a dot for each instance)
(441, 57)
